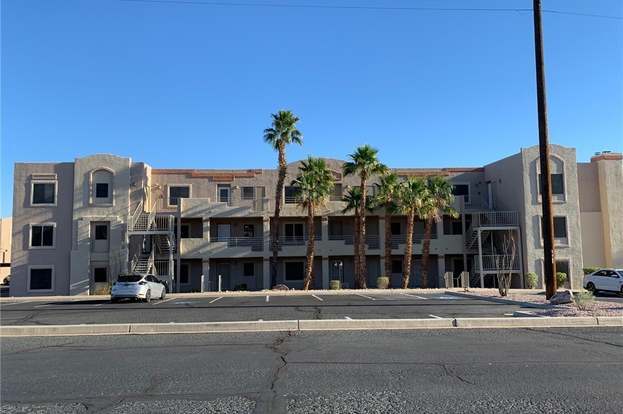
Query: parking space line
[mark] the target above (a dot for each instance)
(414, 296)
(95, 306)
(435, 317)
(43, 305)
(364, 296)
(161, 301)
(346, 317)
(214, 300)
(318, 297)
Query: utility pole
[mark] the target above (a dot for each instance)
(549, 264)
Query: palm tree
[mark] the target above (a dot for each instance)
(439, 200)
(364, 163)
(412, 194)
(282, 132)
(352, 198)
(315, 182)
(387, 196)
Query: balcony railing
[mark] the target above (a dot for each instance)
(398, 239)
(372, 240)
(495, 262)
(255, 243)
(495, 218)
(296, 240)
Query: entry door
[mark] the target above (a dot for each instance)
(337, 270)
(223, 232)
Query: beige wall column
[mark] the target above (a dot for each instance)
(382, 257)
(610, 173)
(325, 273)
(266, 234)
(206, 229)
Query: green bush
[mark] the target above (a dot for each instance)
(531, 280)
(588, 270)
(561, 278)
(382, 282)
(583, 300)
(334, 285)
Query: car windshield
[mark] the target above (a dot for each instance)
(129, 278)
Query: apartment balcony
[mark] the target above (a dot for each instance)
(221, 247)
(492, 263)
(225, 207)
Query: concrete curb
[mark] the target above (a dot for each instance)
(499, 300)
(309, 325)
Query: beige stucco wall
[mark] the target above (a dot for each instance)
(5, 247)
(610, 176)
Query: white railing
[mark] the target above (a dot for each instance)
(255, 243)
(495, 218)
(495, 262)
(136, 214)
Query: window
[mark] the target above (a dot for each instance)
(248, 230)
(558, 184)
(248, 269)
(101, 232)
(396, 229)
(293, 231)
(396, 266)
(41, 278)
(222, 192)
(42, 235)
(337, 192)
(294, 270)
(560, 227)
(461, 190)
(101, 190)
(184, 273)
(248, 193)
(291, 194)
(452, 225)
(185, 231)
(100, 275)
(44, 193)
(176, 192)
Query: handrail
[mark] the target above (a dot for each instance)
(136, 214)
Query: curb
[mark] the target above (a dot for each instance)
(309, 325)
(499, 300)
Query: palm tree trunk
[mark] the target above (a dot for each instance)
(406, 262)
(362, 275)
(311, 235)
(275, 224)
(428, 229)
(388, 243)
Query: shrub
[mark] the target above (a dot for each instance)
(588, 270)
(583, 300)
(531, 280)
(561, 278)
(334, 285)
(382, 282)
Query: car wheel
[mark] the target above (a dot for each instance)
(164, 293)
(148, 296)
(590, 286)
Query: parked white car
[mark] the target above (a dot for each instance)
(146, 287)
(605, 279)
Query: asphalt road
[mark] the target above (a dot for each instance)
(206, 309)
(497, 371)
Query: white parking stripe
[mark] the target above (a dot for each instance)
(346, 317)
(95, 306)
(319, 298)
(414, 296)
(44, 305)
(161, 301)
(435, 316)
(214, 300)
(364, 296)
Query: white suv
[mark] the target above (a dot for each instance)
(605, 279)
(146, 287)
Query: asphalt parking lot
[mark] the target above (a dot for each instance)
(250, 308)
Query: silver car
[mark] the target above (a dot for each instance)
(145, 287)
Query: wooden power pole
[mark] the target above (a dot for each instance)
(549, 263)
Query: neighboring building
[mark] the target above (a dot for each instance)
(78, 225)
(5, 248)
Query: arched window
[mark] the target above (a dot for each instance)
(101, 186)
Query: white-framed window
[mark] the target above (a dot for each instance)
(557, 176)
(462, 189)
(223, 193)
(561, 230)
(41, 278)
(248, 193)
(101, 184)
(177, 191)
(184, 274)
(294, 270)
(42, 236)
(43, 193)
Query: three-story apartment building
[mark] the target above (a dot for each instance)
(77, 225)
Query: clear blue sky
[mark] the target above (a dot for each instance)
(189, 85)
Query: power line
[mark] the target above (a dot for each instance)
(364, 7)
